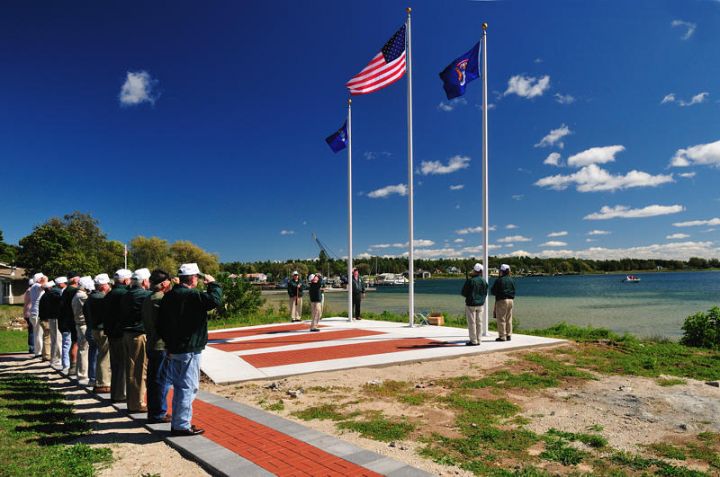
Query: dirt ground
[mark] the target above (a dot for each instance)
(631, 410)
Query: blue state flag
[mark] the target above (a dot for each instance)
(339, 139)
(460, 72)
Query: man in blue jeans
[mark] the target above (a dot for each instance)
(183, 326)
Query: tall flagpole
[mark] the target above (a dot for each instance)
(486, 231)
(350, 234)
(411, 242)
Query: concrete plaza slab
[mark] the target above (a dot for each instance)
(271, 351)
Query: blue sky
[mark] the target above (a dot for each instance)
(206, 122)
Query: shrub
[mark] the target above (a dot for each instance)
(702, 329)
(239, 296)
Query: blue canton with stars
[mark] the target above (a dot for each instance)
(395, 46)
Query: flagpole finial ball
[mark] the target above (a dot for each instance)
(349, 100)
(484, 26)
(408, 9)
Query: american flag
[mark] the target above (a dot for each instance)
(384, 69)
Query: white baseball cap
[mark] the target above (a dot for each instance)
(311, 277)
(31, 281)
(295, 273)
(37, 277)
(60, 280)
(141, 274)
(123, 273)
(187, 269)
(505, 267)
(102, 279)
(49, 284)
(478, 267)
(87, 283)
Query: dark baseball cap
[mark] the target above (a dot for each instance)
(158, 276)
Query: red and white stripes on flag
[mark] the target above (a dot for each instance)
(384, 69)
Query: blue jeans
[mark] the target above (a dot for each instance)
(66, 344)
(158, 384)
(92, 353)
(185, 375)
(31, 337)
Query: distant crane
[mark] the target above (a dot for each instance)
(328, 252)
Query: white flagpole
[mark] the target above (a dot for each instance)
(350, 247)
(486, 231)
(411, 242)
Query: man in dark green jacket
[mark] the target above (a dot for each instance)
(183, 327)
(295, 293)
(134, 340)
(475, 292)
(66, 322)
(358, 292)
(112, 321)
(504, 291)
(95, 314)
(158, 378)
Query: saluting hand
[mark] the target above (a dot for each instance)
(208, 279)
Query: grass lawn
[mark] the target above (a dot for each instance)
(37, 430)
(13, 341)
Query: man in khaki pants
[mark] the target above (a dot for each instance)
(87, 286)
(504, 291)
(295, 293)
(135, 340)
(94, 314)
(475, 292)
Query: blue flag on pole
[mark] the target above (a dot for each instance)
(460, 72)
(339, 139)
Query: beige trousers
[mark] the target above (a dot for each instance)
(316, 311)
(295, 308)
(45, 327)
(473, 314)
(83, 347)
(503, 314)
(102, 366)
(117, 369)
(135, 370)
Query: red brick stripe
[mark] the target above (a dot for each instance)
(279, 358)
(274, 451)
(295, 339)
(224, 335)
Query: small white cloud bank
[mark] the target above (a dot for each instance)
(454, 164)
(625, 212)
(139, 87)
(699, 155)
(595, 179)
(457, 187)
(676, 236)
(561, 233)
(699, 98)
(387, 191)
(527, 86)
(287, 232)
(554, 137)
(696, 223)
(688, 26)
(553, 159)
(595, 155)
(564, 98)
(448, 106)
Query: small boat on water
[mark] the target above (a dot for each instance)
(632, 279)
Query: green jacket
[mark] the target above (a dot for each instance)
(503, 288)
(150, 316)
(475, 291)
(113, 313)
(315, 292)
(66, 321)
(94, 311)
(183, 317)
(358, 288)
(295, 288)
(131, 304)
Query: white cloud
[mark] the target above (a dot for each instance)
(695, 223)
(287, 232)
(511, 226)
(448, 106)
(625, 212)
(454, 164)
(527, 86)
(370, 155)
(689, 26)
(362, 256)
(473, 230)
(418, 243)
(564, 98)
(514, 238)
(668, 251)
(520, 253)
(387, 191)
(595, 179)
(562, 233)
(687, 175)
(676, 236)
(669, 98)
(553, 159)
(701, 155)
(554, 243)
(458, 240)
(554, 137)
(595, 155)
(590, 240)
(423, 243)
(538, 60)
(518, 196)
(457, 187)
(599, 232)
(139, 87)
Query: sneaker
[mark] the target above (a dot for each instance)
(500, 339)
(83, 382)
(509, 338)
(470, 343)
(163, 420)
(193, 431)
(91, 383)
(314, 329)
(65, 371)
(101, 389)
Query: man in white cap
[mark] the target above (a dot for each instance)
(48, 306)
(475, 292)
(86, 286)
(35, 294)
(182, 325)
(134, 340)
(315, 292)
(295, 293)
(504, 291)
(114, 332)
(55, 336)
(94, 315)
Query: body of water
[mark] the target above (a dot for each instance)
(656, 306)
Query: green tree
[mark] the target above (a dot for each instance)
(44, 250)
(184, 251)
(111, 256)
(240, 298)
(7, 252)
(151, 252)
